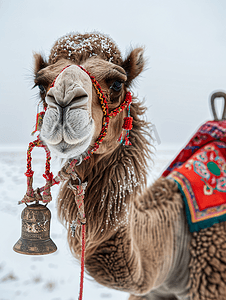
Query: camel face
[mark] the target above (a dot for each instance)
(73, 119)
(74, 116)
(68, 125)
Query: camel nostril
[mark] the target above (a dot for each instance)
(78, 102)
(51, 102)
(73, 95)
(51, 106)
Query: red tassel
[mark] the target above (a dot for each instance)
(29, 173)
(128, 123)
(48, 176)
(127, 141)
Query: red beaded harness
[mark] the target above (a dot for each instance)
(78, 190)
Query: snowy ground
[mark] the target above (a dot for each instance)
(54, 276)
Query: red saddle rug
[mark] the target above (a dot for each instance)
(200, 173)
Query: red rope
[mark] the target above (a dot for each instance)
(82, 260)
(37, 143)
(30, 195)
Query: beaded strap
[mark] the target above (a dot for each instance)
(104, 106)
(125, 103)
(107, 116)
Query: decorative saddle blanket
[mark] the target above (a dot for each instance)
(200, 173)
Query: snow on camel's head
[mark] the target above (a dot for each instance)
(74, 116)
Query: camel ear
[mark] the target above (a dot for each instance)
(39, 62)
(134, 64)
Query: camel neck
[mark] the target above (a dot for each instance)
(113, 182)
(149, 248)
(157, 226)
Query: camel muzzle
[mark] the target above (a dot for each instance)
(67, 125)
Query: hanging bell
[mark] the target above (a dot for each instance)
(35, 238)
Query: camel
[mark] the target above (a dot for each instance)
(138, 239)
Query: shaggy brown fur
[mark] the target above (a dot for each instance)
(208, 263)
(78, 48)
(137, 237)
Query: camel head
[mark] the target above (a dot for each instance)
(74, 116)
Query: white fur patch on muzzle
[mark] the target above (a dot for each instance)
(68, 125)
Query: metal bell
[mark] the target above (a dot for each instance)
(35, 238)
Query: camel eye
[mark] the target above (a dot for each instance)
(42, 89)
(116, 86)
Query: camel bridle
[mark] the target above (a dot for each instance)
(106, 115)
(31, 195)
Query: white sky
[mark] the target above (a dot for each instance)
(185, 45)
